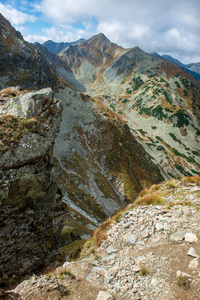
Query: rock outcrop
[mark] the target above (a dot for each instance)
(32, 212)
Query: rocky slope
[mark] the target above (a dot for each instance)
(60, 68)
(148, 251)
(158, 101)
(102, 166)
(32, 212)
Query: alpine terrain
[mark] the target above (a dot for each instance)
(100, 163)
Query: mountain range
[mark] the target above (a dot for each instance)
(192, 68)
(121, 120)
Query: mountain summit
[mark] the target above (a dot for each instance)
(158, 100)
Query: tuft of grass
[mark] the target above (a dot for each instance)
(183, 203)
(143, 192)
(73, 249)
(192, 179)
(66, 273)
(171, 183)
(144, 271)
(183, 281)
(152, 198)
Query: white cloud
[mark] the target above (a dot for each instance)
(15, 16)
(58, 34)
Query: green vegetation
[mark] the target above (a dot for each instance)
(145, 90)
(160, 148)
(188, 158)
(66, 273)
(195, 172)
(156, 112)
(175, 138)
(195, 153)
(138, 82)
(144, 271)
(167, 97)
(181, 169)
(183, 281)
(151, 139)
(142, 131)
(168, 109)
(151, 197)
(125, 100)
(177, 84)
(128, 91)
(150, 144)
(112, 106)
(106, 96)
(182, 118)
(159, 138)
(162, 80)
(185, 82)
(154, 127)
(73, 249)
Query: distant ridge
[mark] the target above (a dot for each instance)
(58, 47)
(193, 68)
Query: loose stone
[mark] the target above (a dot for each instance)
(191, 238)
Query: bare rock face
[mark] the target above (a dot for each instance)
(32, 212)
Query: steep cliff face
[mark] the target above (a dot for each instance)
(32, 213)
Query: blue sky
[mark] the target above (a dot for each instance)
(165, 26)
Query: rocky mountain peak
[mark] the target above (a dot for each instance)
(99, 38)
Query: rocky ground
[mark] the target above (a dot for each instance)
(151, 252)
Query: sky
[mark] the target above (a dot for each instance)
(165, 26)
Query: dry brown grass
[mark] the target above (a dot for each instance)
(153, 197)
(192, 179)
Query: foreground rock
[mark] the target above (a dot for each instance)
(139, 260)
(32, 212)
